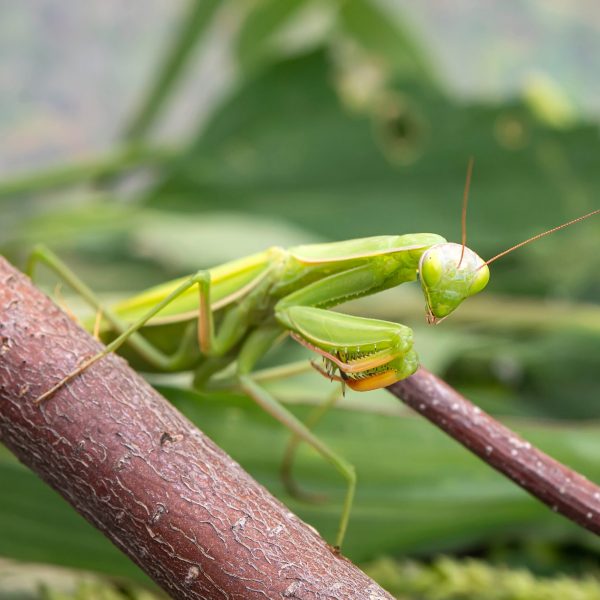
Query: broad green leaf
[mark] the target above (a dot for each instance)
(186, 243)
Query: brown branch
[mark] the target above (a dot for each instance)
(183, 510)
(561, 488)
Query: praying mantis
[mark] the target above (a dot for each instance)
(232, 314)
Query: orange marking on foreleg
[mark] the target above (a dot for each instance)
(374, 382)
(358, 365)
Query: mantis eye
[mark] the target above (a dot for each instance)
(431, 269)
(480, 280)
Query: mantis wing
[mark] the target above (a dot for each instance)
(363, 247)
(228, 282)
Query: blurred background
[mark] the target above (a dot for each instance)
(145, 140)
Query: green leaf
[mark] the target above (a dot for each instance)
(383, 34)
(448, 579)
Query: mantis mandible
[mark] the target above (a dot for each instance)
(235, 312)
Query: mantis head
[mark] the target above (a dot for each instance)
(449, 274)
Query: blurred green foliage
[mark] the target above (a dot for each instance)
(30, 581)
(443, 579)
(346, 131)
(448, 579)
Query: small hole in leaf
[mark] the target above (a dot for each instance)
(400, 129)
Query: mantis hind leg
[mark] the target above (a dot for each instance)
(143, 347)
(231, 331)
(254, 347)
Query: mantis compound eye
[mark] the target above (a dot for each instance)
(431, 269)
(480, 280)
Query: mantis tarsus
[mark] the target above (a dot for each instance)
(235, 312)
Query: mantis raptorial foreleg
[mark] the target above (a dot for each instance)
(336, 288)
(255, 347)
(368, 353)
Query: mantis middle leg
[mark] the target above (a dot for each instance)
(315, 416)
(267, 375)
(257, 343)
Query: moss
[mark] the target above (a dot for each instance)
(450, 579)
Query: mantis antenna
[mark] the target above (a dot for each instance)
(541, 235)
(464, 209)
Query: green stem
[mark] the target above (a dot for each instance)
(192, 26)
(113, 163)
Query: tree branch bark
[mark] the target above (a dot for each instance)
(175, 503)
(565, 491)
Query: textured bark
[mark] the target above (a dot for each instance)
(562, 489)
(175, 503)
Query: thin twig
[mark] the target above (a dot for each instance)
(565, 491)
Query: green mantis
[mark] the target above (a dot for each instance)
(233, 314)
